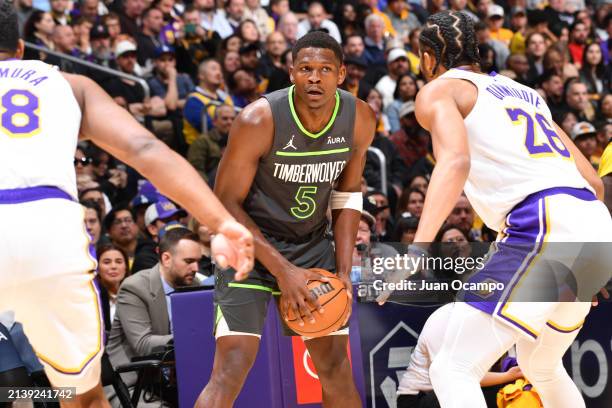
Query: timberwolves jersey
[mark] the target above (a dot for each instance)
(39, 127)
(290, 193)
(514, 148)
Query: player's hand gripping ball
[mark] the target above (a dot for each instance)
(332, 296)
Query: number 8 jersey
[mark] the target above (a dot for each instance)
(514, 148)
(39, 127)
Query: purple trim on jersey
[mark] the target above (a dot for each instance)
(96, 285)
(27, 194)
(492, 73)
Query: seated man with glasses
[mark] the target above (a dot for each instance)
(122, 231)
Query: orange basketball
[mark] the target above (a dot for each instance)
(333, 298)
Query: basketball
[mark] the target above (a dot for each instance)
(332, 297)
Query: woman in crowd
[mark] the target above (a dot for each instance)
(248, 33)
(375, 100)
(405, 90)
(594, 72)
(112, 270)
(93, 220)
(38, 30)
(410, 203)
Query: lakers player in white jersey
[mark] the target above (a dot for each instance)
(495, 139)
(46, 276)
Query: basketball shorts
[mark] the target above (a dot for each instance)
(552, 256)
(47, 278)
(241, 307)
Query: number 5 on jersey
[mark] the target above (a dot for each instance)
(19, 113)
(306, 203)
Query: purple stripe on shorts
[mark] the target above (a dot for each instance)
(27, 194)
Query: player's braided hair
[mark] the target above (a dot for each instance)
(450, 35)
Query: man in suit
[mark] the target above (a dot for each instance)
(143, 319)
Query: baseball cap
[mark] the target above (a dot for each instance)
(161, 210)
(164, 49)
(123, 47)
(245, 49)
(396, 53)
(495, 10)
(144, 199)
(518, 10)
(98, 31)
(359, 61)
(406, 108)
(581, 129)
(169, 226)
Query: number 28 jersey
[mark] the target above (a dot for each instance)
(514, 148)
(39, 127)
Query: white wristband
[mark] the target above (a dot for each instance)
(346, 199)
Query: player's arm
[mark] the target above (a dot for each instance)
(492, 378)
(607, 182)
(584, 167)
(249, 140)
(437, 111)
(345, 217)
(116, 131)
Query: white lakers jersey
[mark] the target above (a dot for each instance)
(39, 127)
(514, 148)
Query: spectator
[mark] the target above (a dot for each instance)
(234, 13)
(410, 140)
(501, 50)
(461, 5)
(112, 22)
(518, 68)
(143, 317)
(495, 21)
(556, 59)
(88, 9)
(205, 152)
(374, 41)
(577, 100)
(247, 31)
(594, 72)
(243, 87)
(212, 19)
(264, 23)
(93, 220)
(397, 65)
(148, 39)
(405, 90)
(578, 37)
(156, 218)
(536, 48)
(518, 24)
(100, 41)
(584, 136)
(231, 64)
(567, 120)
(366, 247)
(606, 109)
(375, 100)
(410, 203)
(288, 26)
(405, 230)
(132, 11)
(413, 50)
(555, 15)
(317, 20)
(402, 20)
(356, 67)
(82, 163)
(462, 217)
(279, 78)
(172, 22)
(379, 207)
(129, 93)
(278, 9)
(419, 182)
(552, 85)
(487, 59)
(112, 270)
(96, 195)
(200, 103)
(250, 60)
(122, 231)
(231, 43)
(347, 20)
(275, 47)
(64, 40)
(82, 28)
(388, 30)
(59, 12)
(195, 44)
(24, 11)
(166, 83)
(38, 30)
(206, 267)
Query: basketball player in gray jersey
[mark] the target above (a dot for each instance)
(290, 156)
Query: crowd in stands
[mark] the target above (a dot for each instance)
(204, 60)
